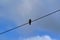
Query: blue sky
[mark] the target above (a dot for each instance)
(16, 12)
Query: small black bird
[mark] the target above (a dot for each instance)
(29, 21)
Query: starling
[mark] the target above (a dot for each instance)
(29, 21)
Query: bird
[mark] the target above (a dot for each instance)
(30, 21)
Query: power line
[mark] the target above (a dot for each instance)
(28, 23)
(46, 15)
(13, 28)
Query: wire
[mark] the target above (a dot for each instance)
(46, 15)
(13, 28)
(28, 23)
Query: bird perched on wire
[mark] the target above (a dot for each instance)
(30, 21)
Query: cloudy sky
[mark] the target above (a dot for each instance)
(17, 12)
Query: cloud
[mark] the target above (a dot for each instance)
(49, 24)
(20, 10)
(29, 8)
(46, 37)
(26, 7)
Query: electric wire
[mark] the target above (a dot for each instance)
(28, 23)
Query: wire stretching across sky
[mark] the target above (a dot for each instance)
(28, 23)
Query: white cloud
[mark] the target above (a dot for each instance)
(46, 37)
(26, 7)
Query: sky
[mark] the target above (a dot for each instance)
(17, 12)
